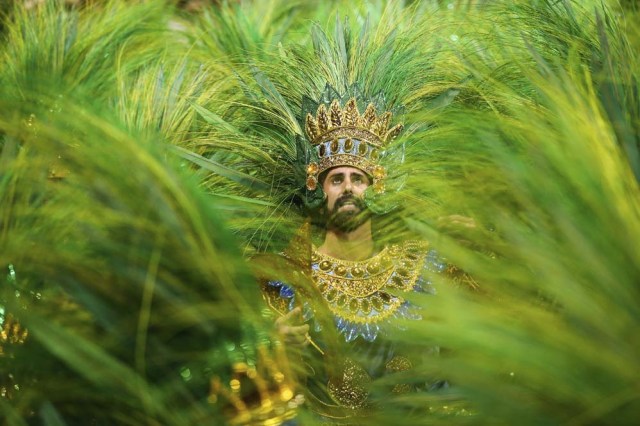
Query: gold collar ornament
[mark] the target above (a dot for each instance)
(365, 295)
(342, 136)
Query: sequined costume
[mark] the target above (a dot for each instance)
(367, 302)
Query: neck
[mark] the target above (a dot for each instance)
(355, 245)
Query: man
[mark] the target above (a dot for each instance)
(352, 280)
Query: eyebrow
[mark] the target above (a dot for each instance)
(342, 174)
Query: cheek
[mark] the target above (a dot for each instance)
(330, 198)
(359, 190)
(331, 201)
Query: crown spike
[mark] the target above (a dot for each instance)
(381, 125)
(369, 117)
(350, 114)
(312, 127)
(323, 119)
(395, 131)
(336, 113)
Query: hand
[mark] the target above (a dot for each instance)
(291, 328)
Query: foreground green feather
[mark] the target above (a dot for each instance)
(130, 271)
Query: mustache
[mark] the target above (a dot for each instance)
(349, 198)
(347, 221)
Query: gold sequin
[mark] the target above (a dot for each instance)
(312, 183)
(312, 168)
(362, 148)
(365, 306)
(354, 306)
(396, 364)
(334, 146)
(374, 267)
(348, 144)
(376, 302)
(349, 389)
(342, 300)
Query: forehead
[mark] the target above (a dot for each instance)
(345, 170)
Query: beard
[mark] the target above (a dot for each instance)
(350, 220)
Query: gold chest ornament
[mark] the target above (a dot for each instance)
(364, 294)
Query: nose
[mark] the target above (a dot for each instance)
(347, 185)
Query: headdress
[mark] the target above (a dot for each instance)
(337, 104)
(342, 136)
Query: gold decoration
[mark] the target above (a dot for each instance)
(346, 159)
(398, 363)
(348, 144)
(343, 128)
(334, 146)
(378, 172)
(312, 127)
(369, 117)
(365, 306)
(312, 168)
(350, 114)
(379, 187)
(312, 183)
(357, 291)
(376, 302)
(375, 128)
(11, 333)
(336, 113)
(263, 395)
(323, 121)
(350, 388)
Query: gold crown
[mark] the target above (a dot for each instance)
(258, 395)
(344, 137)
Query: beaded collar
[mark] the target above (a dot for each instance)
(365, 296)
(362, 295)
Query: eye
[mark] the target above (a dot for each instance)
(336, 179)
(360, 180)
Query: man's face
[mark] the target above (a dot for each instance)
(345, 188)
